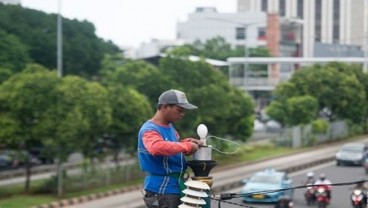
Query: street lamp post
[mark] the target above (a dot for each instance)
(60, 74)
(59, 42)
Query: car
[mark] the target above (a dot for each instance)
(258, 188)
(351, 153)
(42, 154)
(259, 126)
(273, 126)
(5, 162)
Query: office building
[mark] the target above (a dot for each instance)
(343, 22)
(247, 29)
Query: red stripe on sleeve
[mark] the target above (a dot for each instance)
(156, 145)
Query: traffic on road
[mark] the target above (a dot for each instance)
(340, 195)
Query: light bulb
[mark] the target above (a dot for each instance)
(202, 131)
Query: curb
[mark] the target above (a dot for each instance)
(91, 197)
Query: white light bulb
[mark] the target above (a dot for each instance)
(202, 131)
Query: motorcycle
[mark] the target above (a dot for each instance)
(322, 196)
(358, 199)
(309, 195)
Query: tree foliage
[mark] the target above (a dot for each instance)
(36, 31)
(339, 89)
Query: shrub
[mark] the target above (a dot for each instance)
(320, 126)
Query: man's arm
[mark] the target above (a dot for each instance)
(156, 145)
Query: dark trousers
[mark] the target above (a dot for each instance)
(153, 200)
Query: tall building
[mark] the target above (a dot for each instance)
(343, 22)
(246, 29)
(10, 1)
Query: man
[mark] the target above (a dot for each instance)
(310, 179)
(161, 153)
(323, 181)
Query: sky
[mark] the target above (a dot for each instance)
(128, 23)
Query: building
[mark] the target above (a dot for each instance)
(247, 29)
(155, 47)
(343, 22)
(10, 1)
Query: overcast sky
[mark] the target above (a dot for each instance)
(130, 22)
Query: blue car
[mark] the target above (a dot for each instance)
(259, 187)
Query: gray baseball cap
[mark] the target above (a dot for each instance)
(175, 97)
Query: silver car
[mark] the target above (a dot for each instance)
(351, 153)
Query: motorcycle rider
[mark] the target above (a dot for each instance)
(309, 193)
(322, 180)
(310, 178)
(362, 186)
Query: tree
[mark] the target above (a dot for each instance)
(218, 102)
(80, 115)
(144, 77)
(83, 50)
(339, 92)
(13, 53)
(130, 109)
(25, 98)
(301, 110)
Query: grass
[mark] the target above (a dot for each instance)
(29, 200)
(245, 154)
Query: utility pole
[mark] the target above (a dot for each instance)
(365, 45)
(60, 189)
(59, 42)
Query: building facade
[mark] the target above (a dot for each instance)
(343, 22)
(246, 29)
(10, 1)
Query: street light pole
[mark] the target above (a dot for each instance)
(365, 65)
(60, 74)
(59, 42)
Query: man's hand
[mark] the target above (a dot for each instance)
(193, 149)
(196, 143)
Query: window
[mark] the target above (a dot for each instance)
(336, 20)
(240, 33)
(300, 11)
(264, 5)
(282, 7)
(261, 33)
(318, 21)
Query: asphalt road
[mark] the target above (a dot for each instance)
(337, 174)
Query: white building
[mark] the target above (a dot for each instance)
(238, 29)
(155, 47)
(10, 1)
(325, 21)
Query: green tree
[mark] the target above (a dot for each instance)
(76, 122)
(25, 98)
(130, 109)
(338, 91)
(144, 77)
(83, 50)
(218, 102)
(13, 53)
(301, 110)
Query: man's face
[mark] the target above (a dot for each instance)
(173, 113)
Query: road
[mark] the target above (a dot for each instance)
(337, 174)
(221, 178)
